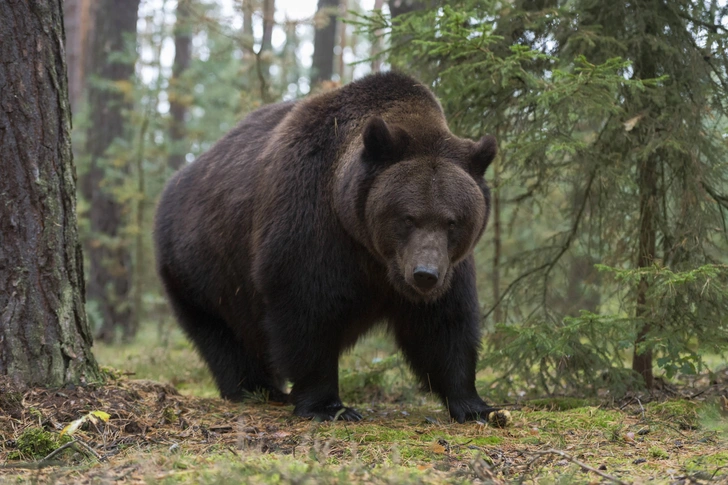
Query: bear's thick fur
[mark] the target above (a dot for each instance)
(312, 221)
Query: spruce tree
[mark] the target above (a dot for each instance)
(611, 120)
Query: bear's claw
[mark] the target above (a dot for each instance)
(474, 410)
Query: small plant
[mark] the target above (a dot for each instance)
(37, 443)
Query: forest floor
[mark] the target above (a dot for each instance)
(170, 430)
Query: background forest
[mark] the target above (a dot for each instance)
(605, 260)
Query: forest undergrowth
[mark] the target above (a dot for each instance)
(157, 420)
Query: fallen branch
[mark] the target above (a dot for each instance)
(57, 451)
(31, 465)
(584, 466)
(72, 444)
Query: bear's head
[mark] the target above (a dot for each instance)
(424, 203)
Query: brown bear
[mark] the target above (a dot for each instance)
(314, 220)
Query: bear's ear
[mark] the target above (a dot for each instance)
(382, 144)
(483, 153)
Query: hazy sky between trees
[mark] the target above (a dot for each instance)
(296, 10)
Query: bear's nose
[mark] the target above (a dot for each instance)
(426, 277)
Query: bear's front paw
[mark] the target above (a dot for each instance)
(470, 410)
(328, 412)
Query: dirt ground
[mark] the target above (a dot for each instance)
(155, 435)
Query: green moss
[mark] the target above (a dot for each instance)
(713, 466)
(659, 453)
(109, 373)
(37, 443)
(710, 418)
(584, 419)
(683, 413)
(487, 441)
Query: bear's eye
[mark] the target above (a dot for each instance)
(409, 221)
(452, 225)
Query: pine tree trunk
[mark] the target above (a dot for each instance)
(497, 238)
(377, 43)
(642, 362)
(248, 37)
(109, 254)
(269, 11)
(401, 7)
(76, 15)
(248, 9)
(324, 41)
(341, 29)
(177, 106)
(647, 174)
(264, 55)
(44, 337)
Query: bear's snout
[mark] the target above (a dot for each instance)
(426, 277)
(425, 261)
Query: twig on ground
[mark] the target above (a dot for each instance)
(89, 449)
(584, 466)
(57, 451)
(47, 460)
(31, 465)
(483, 471)
(712, 477)
(631, 400)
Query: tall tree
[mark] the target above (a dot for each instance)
(672, 147)
(248, 7)
(112, 65)
(77, 20)
(324, 41)
(269, 11)
(44, 337)
(177, 104)
(401, 7)
(264, 56)
(611, 120)
(377, 42)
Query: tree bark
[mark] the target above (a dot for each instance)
(44, 336)
(264, 56)
(177, 105)
(77, 19)
(377, 43)
(269, 11)
(497, 238)
(110, 258)
(248, 9)
(647, 179)
(341, 29)
(645, 67)
(324, 41)
(401, 7)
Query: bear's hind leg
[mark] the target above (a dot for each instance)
(237, 372)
